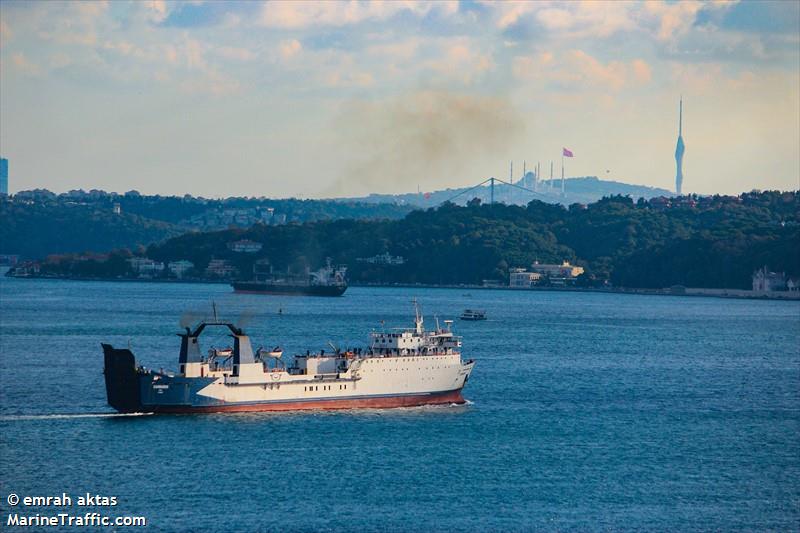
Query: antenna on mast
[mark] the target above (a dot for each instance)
(417, 317)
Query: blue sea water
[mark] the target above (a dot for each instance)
(587, 412)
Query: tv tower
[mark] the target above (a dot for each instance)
(679, 149)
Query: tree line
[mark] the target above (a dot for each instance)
(715, 241)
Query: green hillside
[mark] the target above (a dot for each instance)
(700, 242)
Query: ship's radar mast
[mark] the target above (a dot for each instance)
(417, 318)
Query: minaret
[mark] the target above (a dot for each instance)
(679, 149)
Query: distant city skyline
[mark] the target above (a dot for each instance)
(3, 175)
(329, 99)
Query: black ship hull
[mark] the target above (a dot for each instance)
(256, 287)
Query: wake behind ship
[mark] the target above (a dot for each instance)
(401, 368)
(327, 281)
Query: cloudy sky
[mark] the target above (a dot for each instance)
(326, 99)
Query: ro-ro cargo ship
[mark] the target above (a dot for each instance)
(399, 368)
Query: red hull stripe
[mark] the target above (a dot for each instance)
(356, 403)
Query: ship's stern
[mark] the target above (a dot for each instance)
(122, 380)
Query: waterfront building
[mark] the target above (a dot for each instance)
(383, 259)
(27, 269)
(220, 268)
(179, 268)
(245, 246)
(564, 270)
(266, 214)
(9, 260)
(556, 275)
(145, 267)
(519, 278)
(766, 281)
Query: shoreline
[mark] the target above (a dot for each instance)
(738, 294)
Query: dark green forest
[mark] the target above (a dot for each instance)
(714, 242)
(175, 209)
(36, 230)
(42, 223)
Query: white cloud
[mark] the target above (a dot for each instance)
(573, 19)
(508, 13)
(304, 14)
(578, 70)
(460, 59)
(403, 51)
(290, 48)
(555, 18)
(24, 65)
(235, 53)
(156, 10)
(195, 58)
(5, 31)
(642, 72)
(72, 23)
(60, 60)
(345, 79)
(675, 19)
(450, 59)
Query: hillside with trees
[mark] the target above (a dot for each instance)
(35, 230)
(34, 224)
(712, 242)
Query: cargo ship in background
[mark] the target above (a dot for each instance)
(403, 367)
(327, 281)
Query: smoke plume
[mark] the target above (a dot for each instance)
(434, 139)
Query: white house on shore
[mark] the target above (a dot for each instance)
(519, 278)
(145, 267)
(766, 281)
(179, 268)
(245, 246)
(557, 275)
(383, 259)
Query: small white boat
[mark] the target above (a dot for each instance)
(473, 314)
